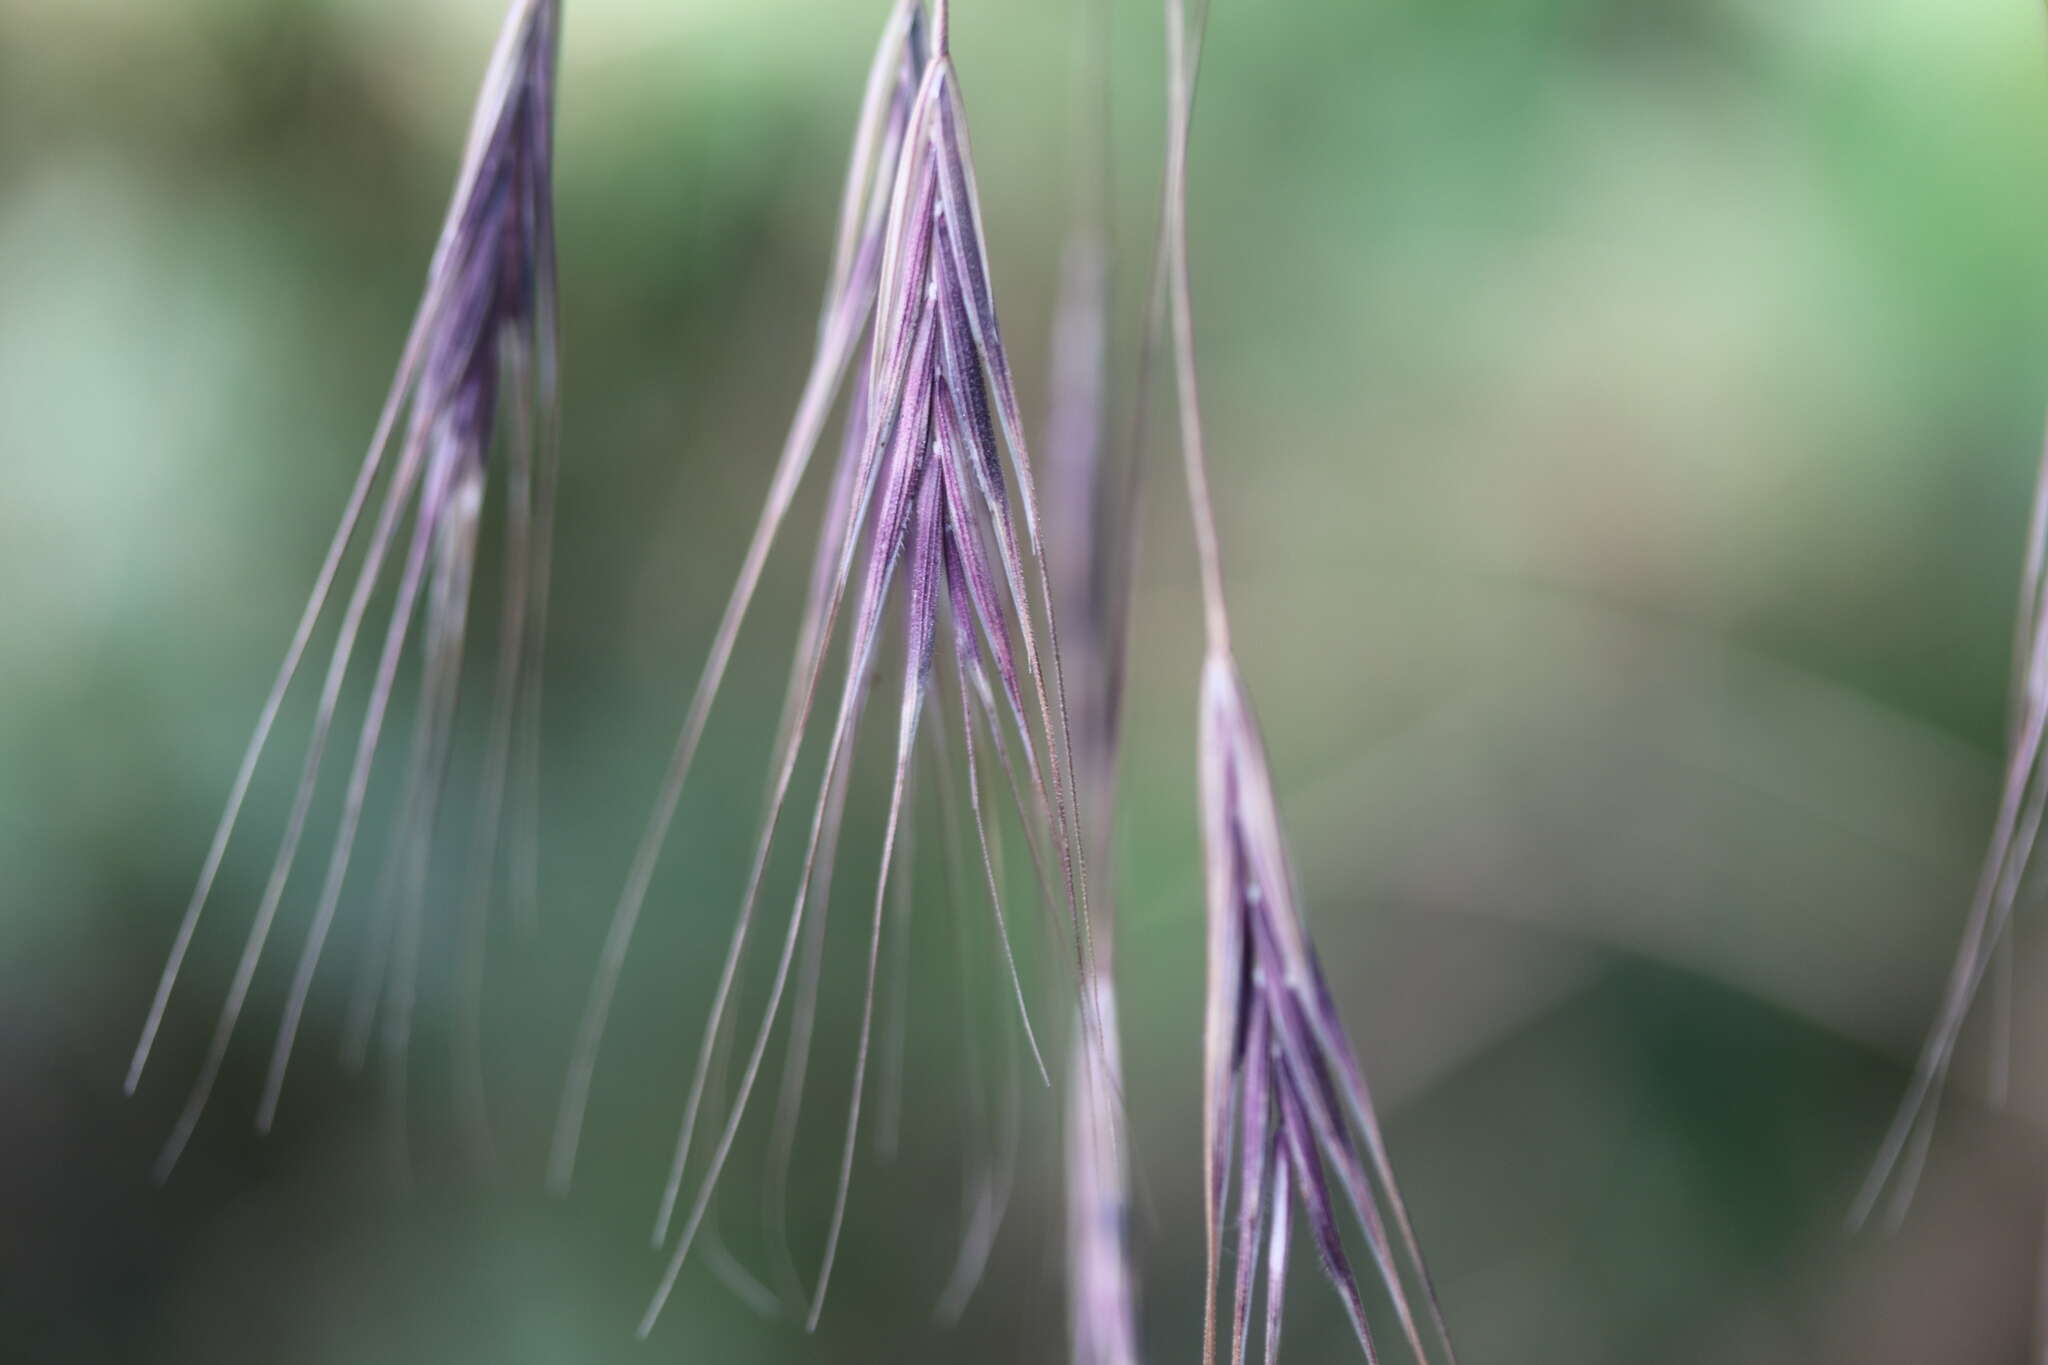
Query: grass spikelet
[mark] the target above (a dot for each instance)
(1285, 1104)
(1281, 1082)
(921, 526)
(482, 343)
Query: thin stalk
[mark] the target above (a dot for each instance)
(1180, 79)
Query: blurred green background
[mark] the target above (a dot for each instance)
(1624, 416)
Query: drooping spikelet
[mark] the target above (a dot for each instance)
(933, 480)
(1281, 1084)
(482, 343)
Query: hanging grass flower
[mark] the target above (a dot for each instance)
(482, 345)
(1281, 1082)
(933, 481)
(1281, 1085)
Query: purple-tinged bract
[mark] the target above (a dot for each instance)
(923, 513)
(1282, 1085)
(482, 347)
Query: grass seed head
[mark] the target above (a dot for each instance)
(932, 517)
(1282, 1086)
(482, 344)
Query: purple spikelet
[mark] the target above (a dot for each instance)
(922, 522)
(482, 345)
(1281, 1084)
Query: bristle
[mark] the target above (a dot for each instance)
(430, 531)
(440, 694)
(896, 1003)
(989, 1140)
(921, 615)
(1272, 1038)
(963, 639)
(1320, 1210)
(1257, 1138)
(295, 825)
(267, 718)
(718, 1257)
(796, 1058)
(405, 851)
(1223, 1014)
(1276, 1253)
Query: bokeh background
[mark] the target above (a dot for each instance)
(1624, 417)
